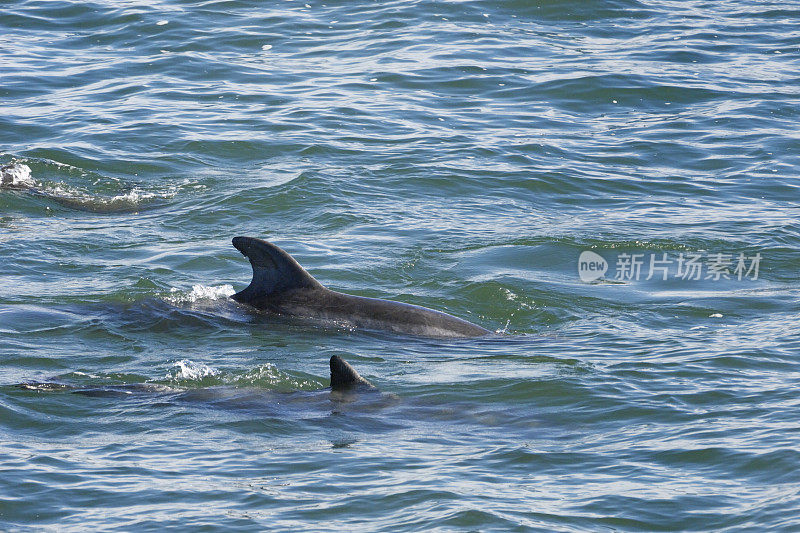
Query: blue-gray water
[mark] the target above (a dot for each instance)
(458, 155)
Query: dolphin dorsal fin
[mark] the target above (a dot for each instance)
(274, 270)
(344, 377)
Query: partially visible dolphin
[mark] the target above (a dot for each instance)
(17, 177)
(344, 378)
(280, 285)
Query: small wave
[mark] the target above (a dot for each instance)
(186, 369)
(43, 386)
(265, 376)
(200, 292)
(266, 373)
(18, 175)
(134, 199)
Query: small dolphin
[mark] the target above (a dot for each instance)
(344, 378)
(280, 285)
(17, 177)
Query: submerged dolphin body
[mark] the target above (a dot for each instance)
(280, 285)
(17, 177)
(344, 379)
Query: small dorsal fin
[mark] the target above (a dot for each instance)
(274, 270)
(344, 376)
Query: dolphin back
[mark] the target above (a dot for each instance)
(280, 285)
(274, 271)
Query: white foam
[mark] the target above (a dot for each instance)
(269, 375)
(16, 175)
(266, 372)
(132, 199)
(188, 369)
(200, 292)
(133, 196)
(79, 373)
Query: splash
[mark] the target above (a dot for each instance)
(266, 373)
(268, 376)
(132, 200)
(186, 369)
(200, 292)
(265, 376)
(129, 199)
(16, 175)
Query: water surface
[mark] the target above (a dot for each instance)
(457, 155)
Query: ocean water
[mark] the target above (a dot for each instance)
(467, 156)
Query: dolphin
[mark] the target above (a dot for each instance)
(280, 285)
(17, 177)
(344, 379)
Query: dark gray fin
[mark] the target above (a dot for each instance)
(274, 270)
(344, 377)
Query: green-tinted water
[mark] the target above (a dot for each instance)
(459, 156)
